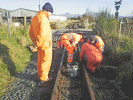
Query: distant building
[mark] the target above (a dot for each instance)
(54, 18)
(18, 15)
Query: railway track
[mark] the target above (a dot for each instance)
(86, 86)
(67, 88)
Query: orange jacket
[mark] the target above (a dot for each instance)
(92, 54)
(71, 39)
(40, 32)
(41, 36)
(99, 44)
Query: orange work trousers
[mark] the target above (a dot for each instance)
(93, 63)
(44, 63)
(70, 50)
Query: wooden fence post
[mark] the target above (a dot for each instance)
(24, 20)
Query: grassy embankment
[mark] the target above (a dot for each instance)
(13, 54)
(118, 44)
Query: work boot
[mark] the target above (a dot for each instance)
(46, 83)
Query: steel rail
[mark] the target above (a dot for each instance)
(55, 90)
(88, 83)
(91, 92)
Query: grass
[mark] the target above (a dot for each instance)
(61, 24)
(118, 48)
(13, 54)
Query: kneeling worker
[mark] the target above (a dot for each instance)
(92, 55)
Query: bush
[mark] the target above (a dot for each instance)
(118, 46)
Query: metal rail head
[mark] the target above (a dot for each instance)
(88, 83)
(91, 92)
(54, 94)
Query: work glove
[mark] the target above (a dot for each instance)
(69, 64)
(75, 49)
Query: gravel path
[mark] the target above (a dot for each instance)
(25, 82)
(25, 85)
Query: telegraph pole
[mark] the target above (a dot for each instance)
(86, 21)
(39, 5)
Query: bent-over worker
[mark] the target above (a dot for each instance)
(92, 55)
(70, 40)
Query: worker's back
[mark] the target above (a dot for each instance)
(91, 51)
(41, 30)
(99, 43)
(93, 56)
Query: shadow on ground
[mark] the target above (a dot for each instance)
(4, 55)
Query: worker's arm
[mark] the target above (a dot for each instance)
(44, 35)
(33, 39)
(99, 46)
(82, 52)
(88, 41)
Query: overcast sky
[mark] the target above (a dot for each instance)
(71, 6)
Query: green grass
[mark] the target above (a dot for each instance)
(118, 48)
(13, 54)
(61, 24)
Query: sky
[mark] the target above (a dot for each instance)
(71, 6)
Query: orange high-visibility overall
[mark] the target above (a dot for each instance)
(93, 56)
(99, 44)
(70, 40)
(41, 36)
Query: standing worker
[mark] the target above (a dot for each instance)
(41, 36)
(70, 41)
(92, 55)
(97, 42)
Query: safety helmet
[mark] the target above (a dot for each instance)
(48, 7)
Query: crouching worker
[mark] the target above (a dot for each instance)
(41, 36)
(97, 42)
(92, 55)
(70, 40)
